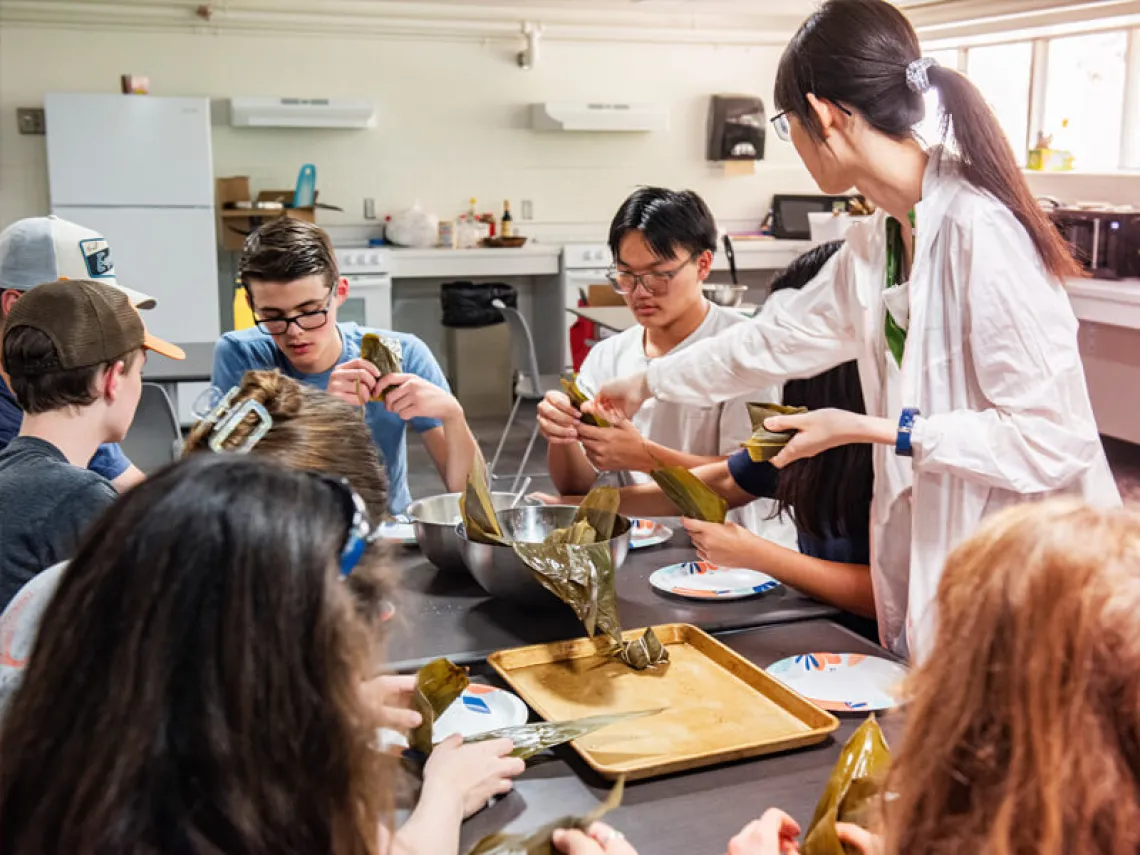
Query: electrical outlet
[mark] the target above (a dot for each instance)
(369, 209)
(527, 209)
(30, 120)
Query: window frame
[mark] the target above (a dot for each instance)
(1128, 159)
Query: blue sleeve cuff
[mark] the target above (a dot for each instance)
(756, 479)
(424, 425)
(109, 461)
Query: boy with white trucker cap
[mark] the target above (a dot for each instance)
(37, 250)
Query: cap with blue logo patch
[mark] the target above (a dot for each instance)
(38, 250)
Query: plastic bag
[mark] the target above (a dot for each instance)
(851, 791)
(414, 227)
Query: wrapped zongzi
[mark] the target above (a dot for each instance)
(576, 565)
(854, 785)
(577, 398)
(540, 842)
(692, 496)
(385, 354)
(438, 684)
(530, 739)
(765, 444)
(475, 506)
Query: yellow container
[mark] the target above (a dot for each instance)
(1050, 160)
(243, 315)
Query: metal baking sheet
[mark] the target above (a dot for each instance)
(717, 706)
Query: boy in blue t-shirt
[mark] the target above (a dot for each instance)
(294, 289)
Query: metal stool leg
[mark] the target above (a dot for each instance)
(525, 458)
(503, 438)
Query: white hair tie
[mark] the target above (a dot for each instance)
(917, 74)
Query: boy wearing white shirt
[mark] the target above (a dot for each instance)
(663, 243)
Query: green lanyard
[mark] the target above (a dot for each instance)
(896, 254)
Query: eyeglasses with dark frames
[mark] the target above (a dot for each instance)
(655, 284)
(783, 127)
(304, 320)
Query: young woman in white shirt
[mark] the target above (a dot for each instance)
(975, 391)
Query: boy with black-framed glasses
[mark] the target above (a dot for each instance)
(294, 289)
(663, 242)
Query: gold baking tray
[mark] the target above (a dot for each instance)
(717, 706)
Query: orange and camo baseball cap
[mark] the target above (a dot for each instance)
(89, 323)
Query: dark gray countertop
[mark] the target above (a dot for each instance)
(195, 368)
(448, 614)
(694, 813)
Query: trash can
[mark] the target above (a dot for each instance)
(468, 304)
(479, 347)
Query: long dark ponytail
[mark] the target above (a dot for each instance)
(857, 52)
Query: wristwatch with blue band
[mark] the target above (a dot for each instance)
(906, 425)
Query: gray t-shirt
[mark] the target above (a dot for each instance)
(46, 505)
(19, 627)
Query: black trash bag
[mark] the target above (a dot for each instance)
(467, 304)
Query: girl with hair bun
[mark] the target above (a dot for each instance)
(951, 298)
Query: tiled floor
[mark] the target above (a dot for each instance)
(424, 481)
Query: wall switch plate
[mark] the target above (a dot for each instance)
(527, 209)
(370, 209)
(30, 120)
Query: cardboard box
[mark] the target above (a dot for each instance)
(603, 295)
(235, 224)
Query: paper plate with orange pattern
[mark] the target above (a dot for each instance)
(842, 682)
(646, 533)
(480, 708)
(699, 580)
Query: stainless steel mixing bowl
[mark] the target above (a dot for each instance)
(724, 294)
(435, 518)
(504, 575)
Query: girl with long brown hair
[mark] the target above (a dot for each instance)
(1025, 729)
(950, 297)
(196, 683)
(1023, 726)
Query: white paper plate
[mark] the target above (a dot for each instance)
(479, 709)
(646, 533)
(699, 580)
(842, 682)
(398, 531)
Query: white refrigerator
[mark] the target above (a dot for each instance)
(139, 169)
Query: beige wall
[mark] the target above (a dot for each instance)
(452, 117)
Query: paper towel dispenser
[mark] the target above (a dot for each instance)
(736, 128)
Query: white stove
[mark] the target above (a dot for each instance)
(369, 274)
(583, 265)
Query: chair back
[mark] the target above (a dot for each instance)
(155, 436)
(522, 345)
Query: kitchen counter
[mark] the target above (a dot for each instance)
(764, 254)
(1115, 303)
(1109, 338)
(531, 259)
(540, 258)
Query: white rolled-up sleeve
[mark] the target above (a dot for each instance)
(1038, 433)
(797, 334)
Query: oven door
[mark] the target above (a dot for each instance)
(369, 301)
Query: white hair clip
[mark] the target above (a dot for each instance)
(217, 409)
(231, 421)
(918, 76)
